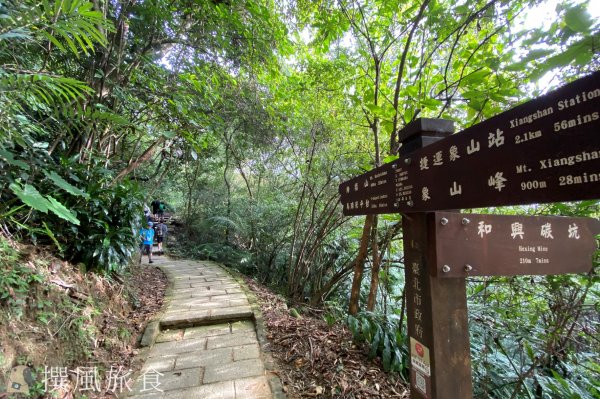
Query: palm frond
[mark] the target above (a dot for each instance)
(51, 90)
(75, 22)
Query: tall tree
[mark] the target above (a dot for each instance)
(421, 59)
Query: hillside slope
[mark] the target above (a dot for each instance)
(58, 320)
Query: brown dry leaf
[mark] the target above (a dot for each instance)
(334, 360)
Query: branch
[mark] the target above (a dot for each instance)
(141, 159)
(401, 72)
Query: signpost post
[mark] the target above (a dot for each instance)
(545, 150)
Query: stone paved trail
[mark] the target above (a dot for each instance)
(205, 345)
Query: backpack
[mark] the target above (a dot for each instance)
(159, 230)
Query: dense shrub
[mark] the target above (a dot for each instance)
(79, 208)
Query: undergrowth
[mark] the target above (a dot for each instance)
(54, 316)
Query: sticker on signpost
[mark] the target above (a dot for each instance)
(419, 357)
(421, 383)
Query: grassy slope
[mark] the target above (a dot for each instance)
(52, 314)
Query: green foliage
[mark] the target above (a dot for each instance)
(221, 253)
(199, 101)
(110, 220)
(565, 47)
(16, 279)
(91, 220)
(33, 170)
(27, 90)
(37, 103)
(31, 197)
(80, 32)
(534, 336)
(383, 338)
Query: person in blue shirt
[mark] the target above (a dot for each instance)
(147, 237)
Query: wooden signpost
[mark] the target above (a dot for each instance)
(545, 150)
(498, 245)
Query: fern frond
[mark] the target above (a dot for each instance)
(70, 25)
(225, 222)
(51, 90)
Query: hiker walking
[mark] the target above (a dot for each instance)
(147, 237)
(162, 207)
(161, 234)
(155, 205)
(147, 213)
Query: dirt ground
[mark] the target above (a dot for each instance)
(318, 360)
(74, 321)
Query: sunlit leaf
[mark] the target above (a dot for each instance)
(30, 196)
(578, 19)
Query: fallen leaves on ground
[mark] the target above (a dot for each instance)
(318, 360)
(147, 286)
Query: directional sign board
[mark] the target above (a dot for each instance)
(507, 245)
(545, 150)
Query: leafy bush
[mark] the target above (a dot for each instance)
(106, 238)
(382, 335)
(80, 209)
(225, 253)
(547, 349)
(46, 194)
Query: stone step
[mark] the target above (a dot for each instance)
(206, 344)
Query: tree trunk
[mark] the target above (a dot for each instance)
(375, 269)
(140, 160)
(292, 275)
(228, 185)
(359, 265)
(191, 179)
